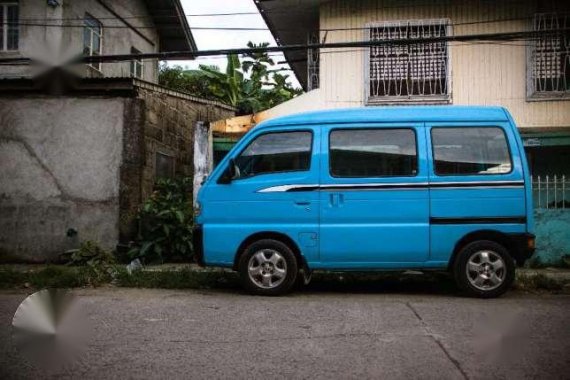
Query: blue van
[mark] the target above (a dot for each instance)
(370, 189)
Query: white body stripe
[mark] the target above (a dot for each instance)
(396, 186)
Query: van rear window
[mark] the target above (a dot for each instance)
(373, 152)
(470, 150)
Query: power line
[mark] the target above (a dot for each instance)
(490, 21)
(333, 45)
(274, 10)
(132, 26)
(185, 55)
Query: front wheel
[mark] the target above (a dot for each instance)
(268, 267)
(484, 269)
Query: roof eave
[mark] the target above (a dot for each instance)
(173, 36)
(292, 57)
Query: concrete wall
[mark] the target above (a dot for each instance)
(55, 45)
(87, 163)
(59, 170)
(552, 235)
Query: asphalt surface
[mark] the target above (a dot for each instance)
(310, 334)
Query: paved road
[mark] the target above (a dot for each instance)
(311, 334)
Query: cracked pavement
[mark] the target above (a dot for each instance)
(144, 333)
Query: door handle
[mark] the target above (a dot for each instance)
(333, 199)
(336, 199)
(302, 202)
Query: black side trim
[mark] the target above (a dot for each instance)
(388, 186)
(301, 189)
(477, 184)
(479, 220)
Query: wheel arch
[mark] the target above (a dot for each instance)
(492, 235)
(283, 238)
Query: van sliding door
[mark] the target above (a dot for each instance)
(373, 196)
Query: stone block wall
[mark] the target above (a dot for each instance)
(158, 121)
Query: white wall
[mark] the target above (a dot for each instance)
(481, 74)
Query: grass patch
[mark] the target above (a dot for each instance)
(48, 277)
(64, 276)
(537, 281)
(180, 279)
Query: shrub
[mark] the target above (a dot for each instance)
(165, 222)
(98, 262)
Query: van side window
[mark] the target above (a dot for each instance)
(470, 150)
(373, 152)
(276, 152)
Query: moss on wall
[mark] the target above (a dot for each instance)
(552, 236)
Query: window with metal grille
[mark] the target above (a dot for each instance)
(92, 38)
(9, 29)
(136, 65)
(410, 72)
(313, 63)
(549, 57)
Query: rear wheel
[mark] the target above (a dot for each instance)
(484, 269)
(268, 267)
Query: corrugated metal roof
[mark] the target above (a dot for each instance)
(69, 84)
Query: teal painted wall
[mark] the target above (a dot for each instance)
(552, 228)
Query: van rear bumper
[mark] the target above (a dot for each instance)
(524, 246)
(198, 243)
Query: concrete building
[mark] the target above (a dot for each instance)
(80, 149)
(54, 32)
(529, 77)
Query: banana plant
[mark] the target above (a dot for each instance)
(251, 84)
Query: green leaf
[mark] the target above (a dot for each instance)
(145, 247)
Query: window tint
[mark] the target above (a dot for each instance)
(464, 151)
(276, 152)
(373, 153)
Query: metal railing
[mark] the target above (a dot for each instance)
(551, 191)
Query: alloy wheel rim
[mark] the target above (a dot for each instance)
(267, 268)
(486, 270)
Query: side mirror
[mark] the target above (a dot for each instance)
(231, 173)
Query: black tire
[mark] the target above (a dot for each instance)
(290, 264)
(466, 282)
